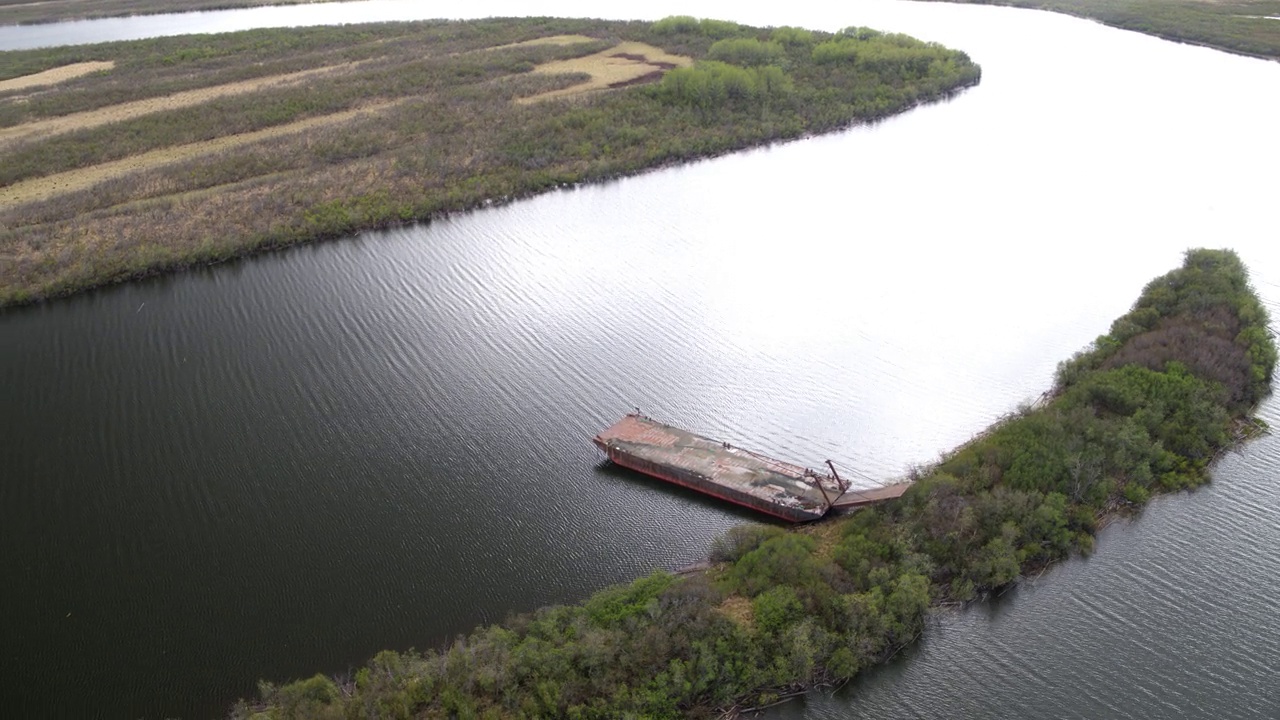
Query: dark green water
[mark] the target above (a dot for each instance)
(280, 466)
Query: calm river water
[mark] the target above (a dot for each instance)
(279, 466)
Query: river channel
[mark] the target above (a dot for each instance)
(279, 466)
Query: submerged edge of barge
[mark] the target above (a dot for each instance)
(764, 484)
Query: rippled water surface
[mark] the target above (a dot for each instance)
(1173, 617)
(279, 466)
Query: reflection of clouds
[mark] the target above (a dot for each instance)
(892, 287)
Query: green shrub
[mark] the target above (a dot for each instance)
(719, 29)
(1136, 494)
(740, 540)
(783, 560)
(747, 52)
(842, 50)
(304, 698)
(860, 33)
(673, 24)
(709, 85)
(611, 606)
(776, 608)
(792, 36)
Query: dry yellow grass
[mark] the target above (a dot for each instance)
(55, 75)
(623, 64)
(548, 40)
(826, 534)
(138, 108)
(739, 610)
(43, 188)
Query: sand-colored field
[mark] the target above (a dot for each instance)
(43, 188)
(548, 40)
(627, 63)
(54, 75)
(139, 108)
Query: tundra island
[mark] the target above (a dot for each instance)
(1145, 410)
(125, 159)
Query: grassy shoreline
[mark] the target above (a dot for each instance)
(378, 125)
(1236, 26)
(1145, 410)
(1241, 27)
(22, 12)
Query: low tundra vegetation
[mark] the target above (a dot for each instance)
(442, 129)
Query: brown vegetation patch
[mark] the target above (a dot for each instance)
(55, 75)
(43, 188)
(738, 609)
(549, 40)
(827, 534)
(138, 108)
(625, 64)
(1202, 340)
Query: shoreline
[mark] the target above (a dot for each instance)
(1192, 29)
(248, 253)
(372, 134)
(76, 12)
(778, 613)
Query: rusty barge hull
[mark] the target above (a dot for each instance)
(780, 489)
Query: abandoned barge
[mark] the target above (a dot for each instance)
(764, 484)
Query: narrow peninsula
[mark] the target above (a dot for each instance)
(125, 159)
(1244, 27)
(1145, 410)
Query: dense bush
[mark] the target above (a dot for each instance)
(716, 29)
(677, 24)
(859, 33)
(1205, 317)
(840, 50)
(792, 36)
(748, 52)
(710, 85)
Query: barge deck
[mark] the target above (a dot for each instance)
(774, 487)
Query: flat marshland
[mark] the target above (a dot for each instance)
(125, 159)
(26, 12)
(1247, 27)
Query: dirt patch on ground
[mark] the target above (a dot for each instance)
(628, 63)
(43, 188)
(138, 108)
(55, 75)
